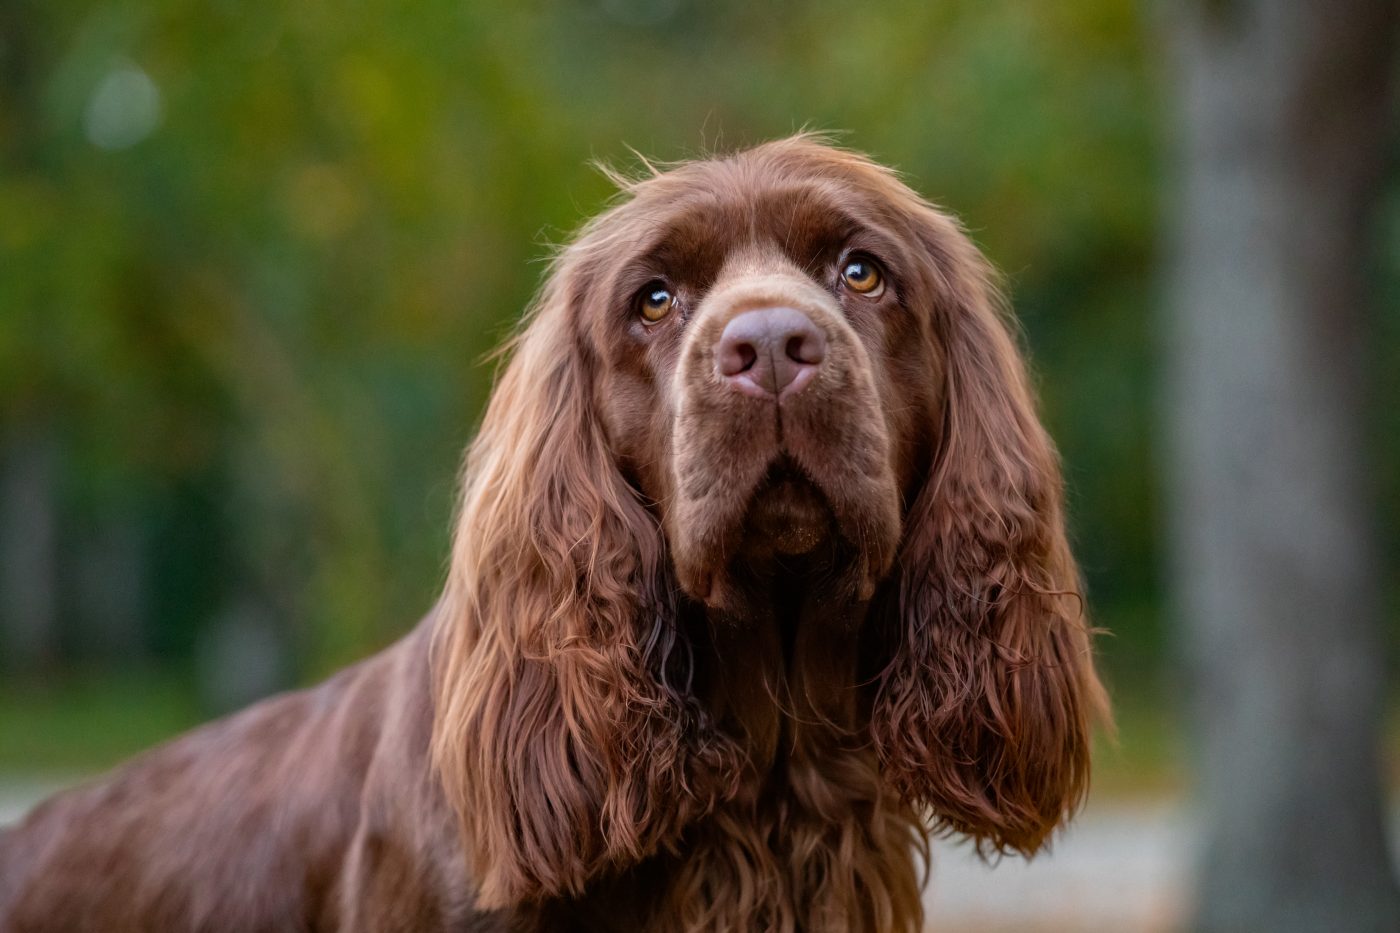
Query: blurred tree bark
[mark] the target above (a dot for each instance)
(1281, 110)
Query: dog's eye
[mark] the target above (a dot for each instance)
(657, 302)
(863, 277)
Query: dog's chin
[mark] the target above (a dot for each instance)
(788, 516)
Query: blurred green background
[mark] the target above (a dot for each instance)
(252, 256)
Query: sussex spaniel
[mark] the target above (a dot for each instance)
(760, 578)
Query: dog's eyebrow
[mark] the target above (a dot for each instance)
(850, 233)
(881, 244)
(817, 221)
(690, 241)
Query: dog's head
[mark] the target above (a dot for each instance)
(746, 362)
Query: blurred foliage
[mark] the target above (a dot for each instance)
(252, 255)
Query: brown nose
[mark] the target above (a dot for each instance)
(767, 351)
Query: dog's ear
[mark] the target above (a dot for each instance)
(984, 712)
(561, 741)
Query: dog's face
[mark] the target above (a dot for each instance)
(769, 368)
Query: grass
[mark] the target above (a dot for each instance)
(87, 721)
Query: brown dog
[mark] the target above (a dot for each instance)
(760, 577)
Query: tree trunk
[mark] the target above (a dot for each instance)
(1281, 110)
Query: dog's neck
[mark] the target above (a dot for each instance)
(783, 670)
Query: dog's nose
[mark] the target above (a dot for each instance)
(770, 350)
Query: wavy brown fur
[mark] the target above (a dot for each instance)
(705, 660)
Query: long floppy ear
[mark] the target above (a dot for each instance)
(984, 711)
(560, 738)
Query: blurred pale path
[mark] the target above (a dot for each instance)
(1120, 866)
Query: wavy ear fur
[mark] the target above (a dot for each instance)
(983, 714)
(562, 742)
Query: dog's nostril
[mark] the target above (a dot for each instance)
(806, 348)
(736, 357)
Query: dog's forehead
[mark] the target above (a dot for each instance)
(695, 217)
(801, 220)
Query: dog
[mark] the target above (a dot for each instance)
(759, 578)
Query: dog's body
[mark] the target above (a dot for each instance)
(760, 577)
(311, 810)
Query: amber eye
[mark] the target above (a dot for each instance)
(657, 302)
(863, 277)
